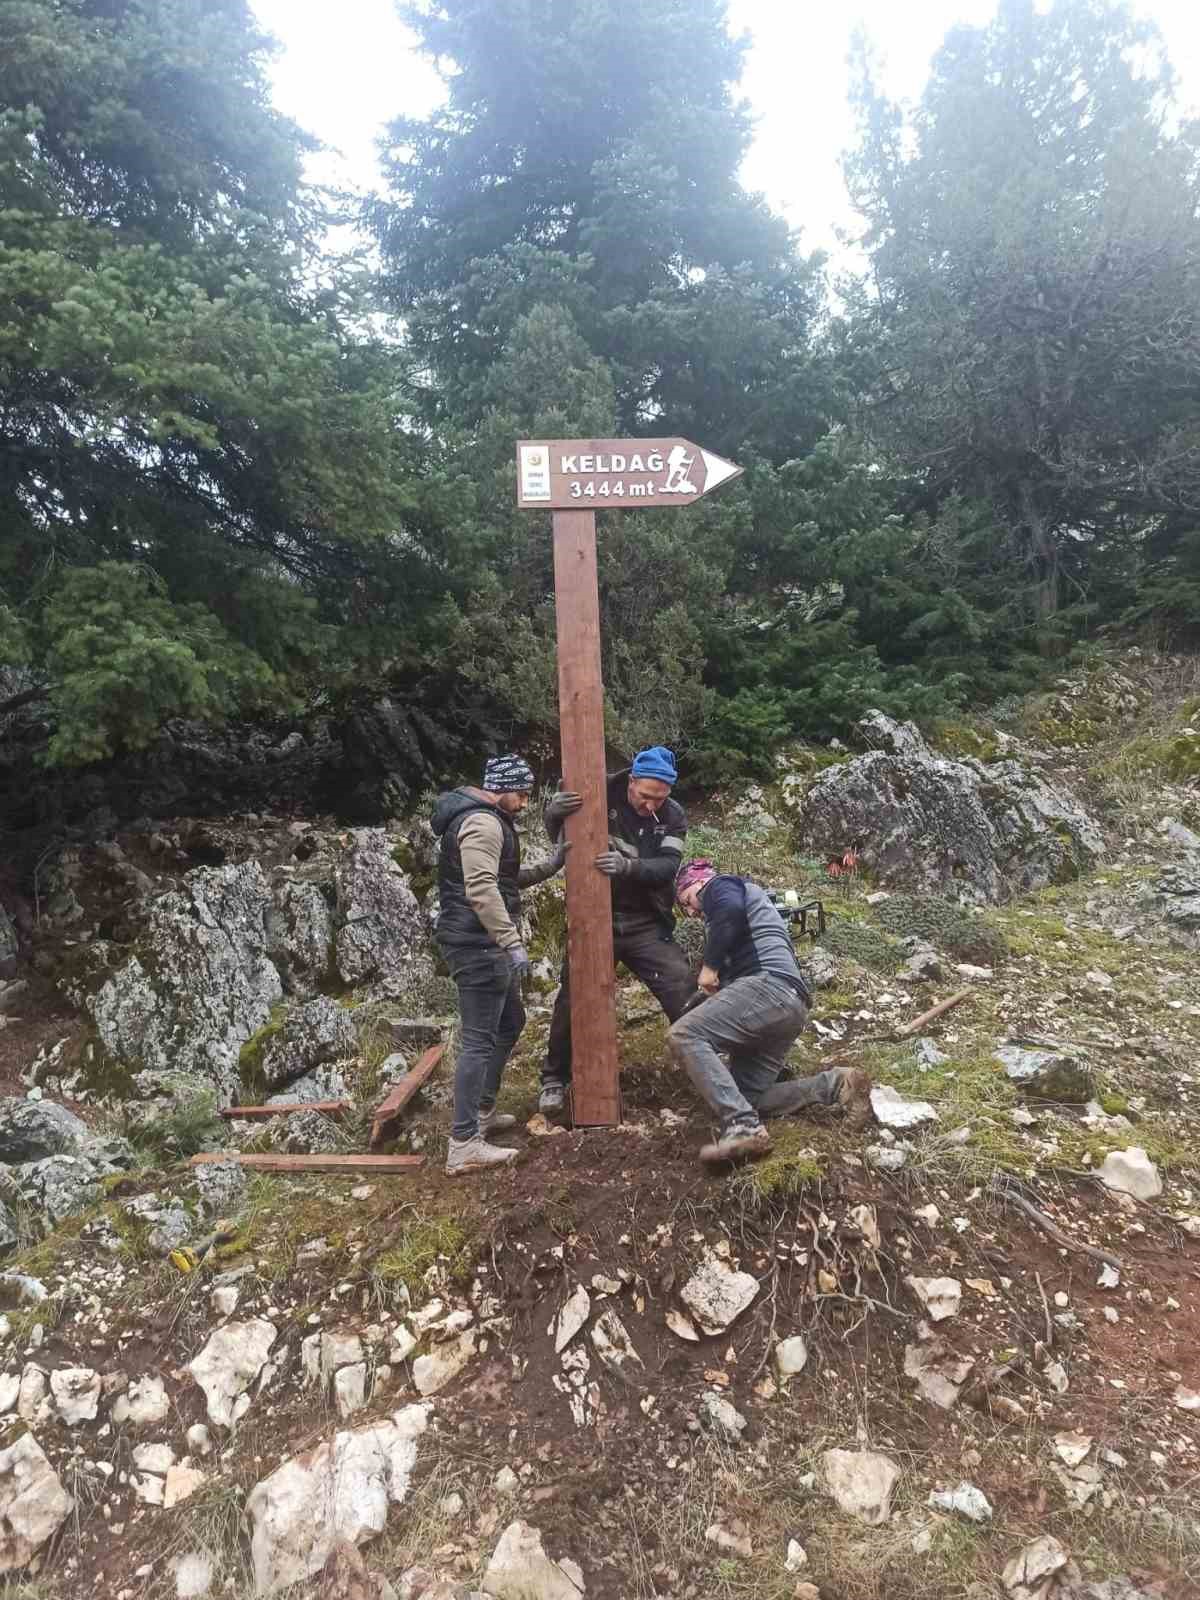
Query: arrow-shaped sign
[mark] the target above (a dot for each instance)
(587, 474)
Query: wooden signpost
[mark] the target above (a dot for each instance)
(572, 478)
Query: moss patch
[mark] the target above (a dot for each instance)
(950, 927)
(423, 1244)
(862, 943)
(792, 1166)
(250, 1055)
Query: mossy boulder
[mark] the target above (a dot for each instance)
(970, 831)
(1046, 1072)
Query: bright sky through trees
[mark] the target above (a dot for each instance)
(343, 71)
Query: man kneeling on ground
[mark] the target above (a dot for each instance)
(757, 1003)
(480, 877)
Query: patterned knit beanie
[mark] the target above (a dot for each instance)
(508, 775)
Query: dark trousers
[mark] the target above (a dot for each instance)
(493, 1015)
(651, 955)
(753, 1021)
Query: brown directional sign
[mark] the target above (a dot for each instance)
(628, 474)
(575, 478)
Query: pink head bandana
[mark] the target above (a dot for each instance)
(692, 872)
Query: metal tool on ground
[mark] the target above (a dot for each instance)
(570, 477)
(190, 1256)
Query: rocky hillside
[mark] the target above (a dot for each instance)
(953, 1356)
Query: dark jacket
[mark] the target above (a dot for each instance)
(746, 935)
(457, 923)
(654, 845)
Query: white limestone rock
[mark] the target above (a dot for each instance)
(229, 1363)
(1130, 1172)
(33, 1502)
(716, 1295)
(145, 1401)
(342, 1489)
(861, 1482)
(893, 1110)
(520, 1569)
(941, 1297)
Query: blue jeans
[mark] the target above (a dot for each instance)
(754, 1021)
(493, 1015)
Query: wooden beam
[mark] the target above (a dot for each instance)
(327, 1108)
(399, 1096)
(311, 1163)
(933, 1013)
(596, 1099)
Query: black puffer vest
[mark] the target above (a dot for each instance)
(457, 924)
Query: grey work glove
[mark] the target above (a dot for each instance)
(560, 806)
(519, 957)
(558, 857)
(613, 864)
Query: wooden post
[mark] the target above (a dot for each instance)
(596, 1096)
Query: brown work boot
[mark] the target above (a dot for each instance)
(854, 1097)
(737, 1144)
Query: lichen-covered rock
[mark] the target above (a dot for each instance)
(221, 1187)
(61, 1186)
(313, 1035)
(30, 1130)
(305, 1133)
(1047, 1072)
(300, 927)
(1175, 897)
(382, 936)
(326, 1083)
(974, 831)
(9, 1236)
(205, 984)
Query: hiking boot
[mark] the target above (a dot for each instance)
(474, 1155)
(854, 1097)
(552, 1102)
(737, 1144)
(493, 1121)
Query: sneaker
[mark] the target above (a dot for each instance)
(739, 1143)
(473, 1155)
(493, 1121)
(552, 1101)
(854, 1097)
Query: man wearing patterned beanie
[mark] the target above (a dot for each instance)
(646, 830)
(480, 877)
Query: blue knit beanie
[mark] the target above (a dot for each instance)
(657, 762)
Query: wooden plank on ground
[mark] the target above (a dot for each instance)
(327, 1108)
(933, 1013)
(596, 1098)
(311, 1163)
(397, 1098)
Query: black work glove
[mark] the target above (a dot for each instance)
(519, 957)
(558, 857)
(613, 864)
(560, 806)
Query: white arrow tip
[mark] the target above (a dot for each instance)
(716, 470)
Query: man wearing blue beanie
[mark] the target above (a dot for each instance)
(646, 830)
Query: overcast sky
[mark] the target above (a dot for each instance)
(346, 69)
